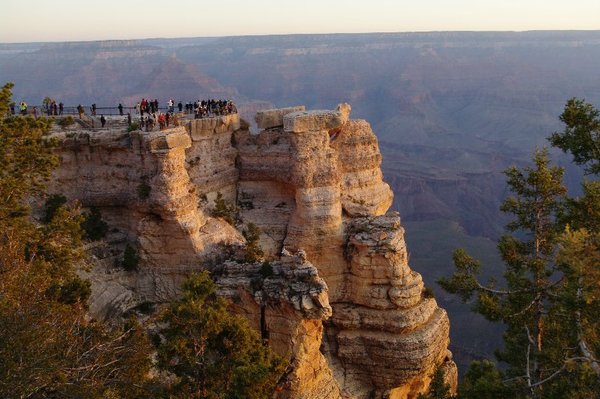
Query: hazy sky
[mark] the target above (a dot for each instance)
(65, 20)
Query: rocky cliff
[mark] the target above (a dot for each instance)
(338, 298)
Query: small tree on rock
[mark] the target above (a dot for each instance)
(211, 353)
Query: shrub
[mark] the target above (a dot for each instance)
(130, 259)
(224, 210)
(72, 291)
(428, 292)
(53, 203)
(210, 352)
(65, 122)
(133, 126)
(143, 190)
(266, 270)
(253, 250)
(93, 226)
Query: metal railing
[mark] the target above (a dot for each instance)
(87, 110)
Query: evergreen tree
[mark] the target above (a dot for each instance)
(48, 345)
(212, 353)
(484, 380)
(549, 304)
(581, 136)
(438, 388)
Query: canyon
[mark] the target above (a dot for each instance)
(334, 294)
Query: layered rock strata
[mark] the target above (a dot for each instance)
(387, 323)
(286, 301)
(312, 182)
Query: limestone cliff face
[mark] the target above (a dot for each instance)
(346, 308)
(287, 305)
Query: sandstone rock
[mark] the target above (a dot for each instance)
(287, 305)
(159, 142)
(312, 121)
(205, 127)
(270, 118)
(312, 182)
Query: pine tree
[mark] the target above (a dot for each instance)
(438, 388)
(581, 136)
(212, 353)
(48, 345)
(549, 302)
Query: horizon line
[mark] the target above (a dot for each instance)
(304, 34)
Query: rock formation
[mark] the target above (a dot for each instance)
(337, 294)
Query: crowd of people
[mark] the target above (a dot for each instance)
(150, 115)
(206, 108)
(163, 119)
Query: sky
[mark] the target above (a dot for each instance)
(75, 20)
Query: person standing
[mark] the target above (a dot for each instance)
(129, 119)
(120, 109)
(102, 120)
(61, 108)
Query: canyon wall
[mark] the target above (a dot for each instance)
(340, 301)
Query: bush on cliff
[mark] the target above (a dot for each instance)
(130, 259)
(210, 352)
(65, 122)
(254, 252)
(224, 210)
(94, 227)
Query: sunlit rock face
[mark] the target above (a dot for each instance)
(340, 299)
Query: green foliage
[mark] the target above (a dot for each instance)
(131, 259)
(438, 388)
(266, 270)
(584, 212)
(224, 210)
(211, 353)
(5, 99)
(463, 282)
(581, 136)
(428, 293)
(133, 127)
(93, 226)
(47, 101)
(49, 347)
(70, 292)
(550, 303)
(484, 380)
(26, 161)
(65, 122)
(143, 190)
(52, 204)
(254, 252)
(537, 203)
